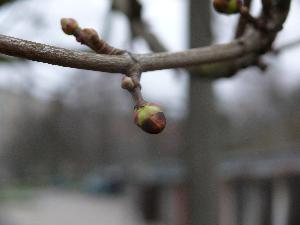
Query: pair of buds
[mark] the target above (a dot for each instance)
(148, 116)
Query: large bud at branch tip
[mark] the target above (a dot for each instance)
(69, 25)
(150, 118)
(227, 6)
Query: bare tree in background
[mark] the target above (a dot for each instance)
(201, 137)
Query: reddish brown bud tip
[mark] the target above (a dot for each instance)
(227, 6)
(127, 83)
(69, 25)
(150, 118)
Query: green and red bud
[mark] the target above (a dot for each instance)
(227, 6)
(69, 25)
(150, 118)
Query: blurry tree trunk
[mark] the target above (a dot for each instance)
(294, 205)
(201, 139)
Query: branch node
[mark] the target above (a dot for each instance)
(135, 73)
(256, 22)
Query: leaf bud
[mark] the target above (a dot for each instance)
(150, 118)
(69, 25)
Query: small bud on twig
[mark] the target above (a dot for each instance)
(69, 25)
(89, 37)
(127, 83)
(150, 118)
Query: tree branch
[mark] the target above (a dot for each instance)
(253, 43)
(120, 64)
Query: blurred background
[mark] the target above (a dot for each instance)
(70, 153)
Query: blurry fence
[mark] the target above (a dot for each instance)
(263, 190)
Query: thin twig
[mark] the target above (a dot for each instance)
(242, 24)
(139, 27)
